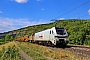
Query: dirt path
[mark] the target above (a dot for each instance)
(23, 53)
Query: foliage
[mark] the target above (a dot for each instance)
(78, 32)
(7, 38)
(2, 41)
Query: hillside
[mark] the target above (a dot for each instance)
(79, 30)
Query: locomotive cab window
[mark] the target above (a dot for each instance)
(60, 31)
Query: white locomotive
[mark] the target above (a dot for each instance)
(55, 35)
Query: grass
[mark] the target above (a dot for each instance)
(38, 52)
(32, 52)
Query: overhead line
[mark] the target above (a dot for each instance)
(74, 8)
(66, 7)
(84, 15)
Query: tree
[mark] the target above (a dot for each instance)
(8, 37)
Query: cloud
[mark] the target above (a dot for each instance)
(21, 1)
(89, 11)
(1, 29)
(62, 18)
(42, 9)
(8, 24)
(1, 12)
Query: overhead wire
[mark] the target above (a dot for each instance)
(81, 12)
(83, 16)
(74, 9)
(67, 7)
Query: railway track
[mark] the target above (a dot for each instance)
(80, 51)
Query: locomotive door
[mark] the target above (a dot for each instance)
(51, 37)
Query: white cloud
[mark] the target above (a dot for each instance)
(8, 24)
(42, 9)
(62, 18)
(1, 12)
(89, 11)
(21, 1)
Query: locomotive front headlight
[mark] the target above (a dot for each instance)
(66, 38)
(56, 38)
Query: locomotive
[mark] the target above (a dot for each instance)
(55, 35)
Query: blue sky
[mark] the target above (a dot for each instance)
(15, 14)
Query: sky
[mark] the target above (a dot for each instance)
(15, 14)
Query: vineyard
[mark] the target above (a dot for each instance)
(10, 52)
